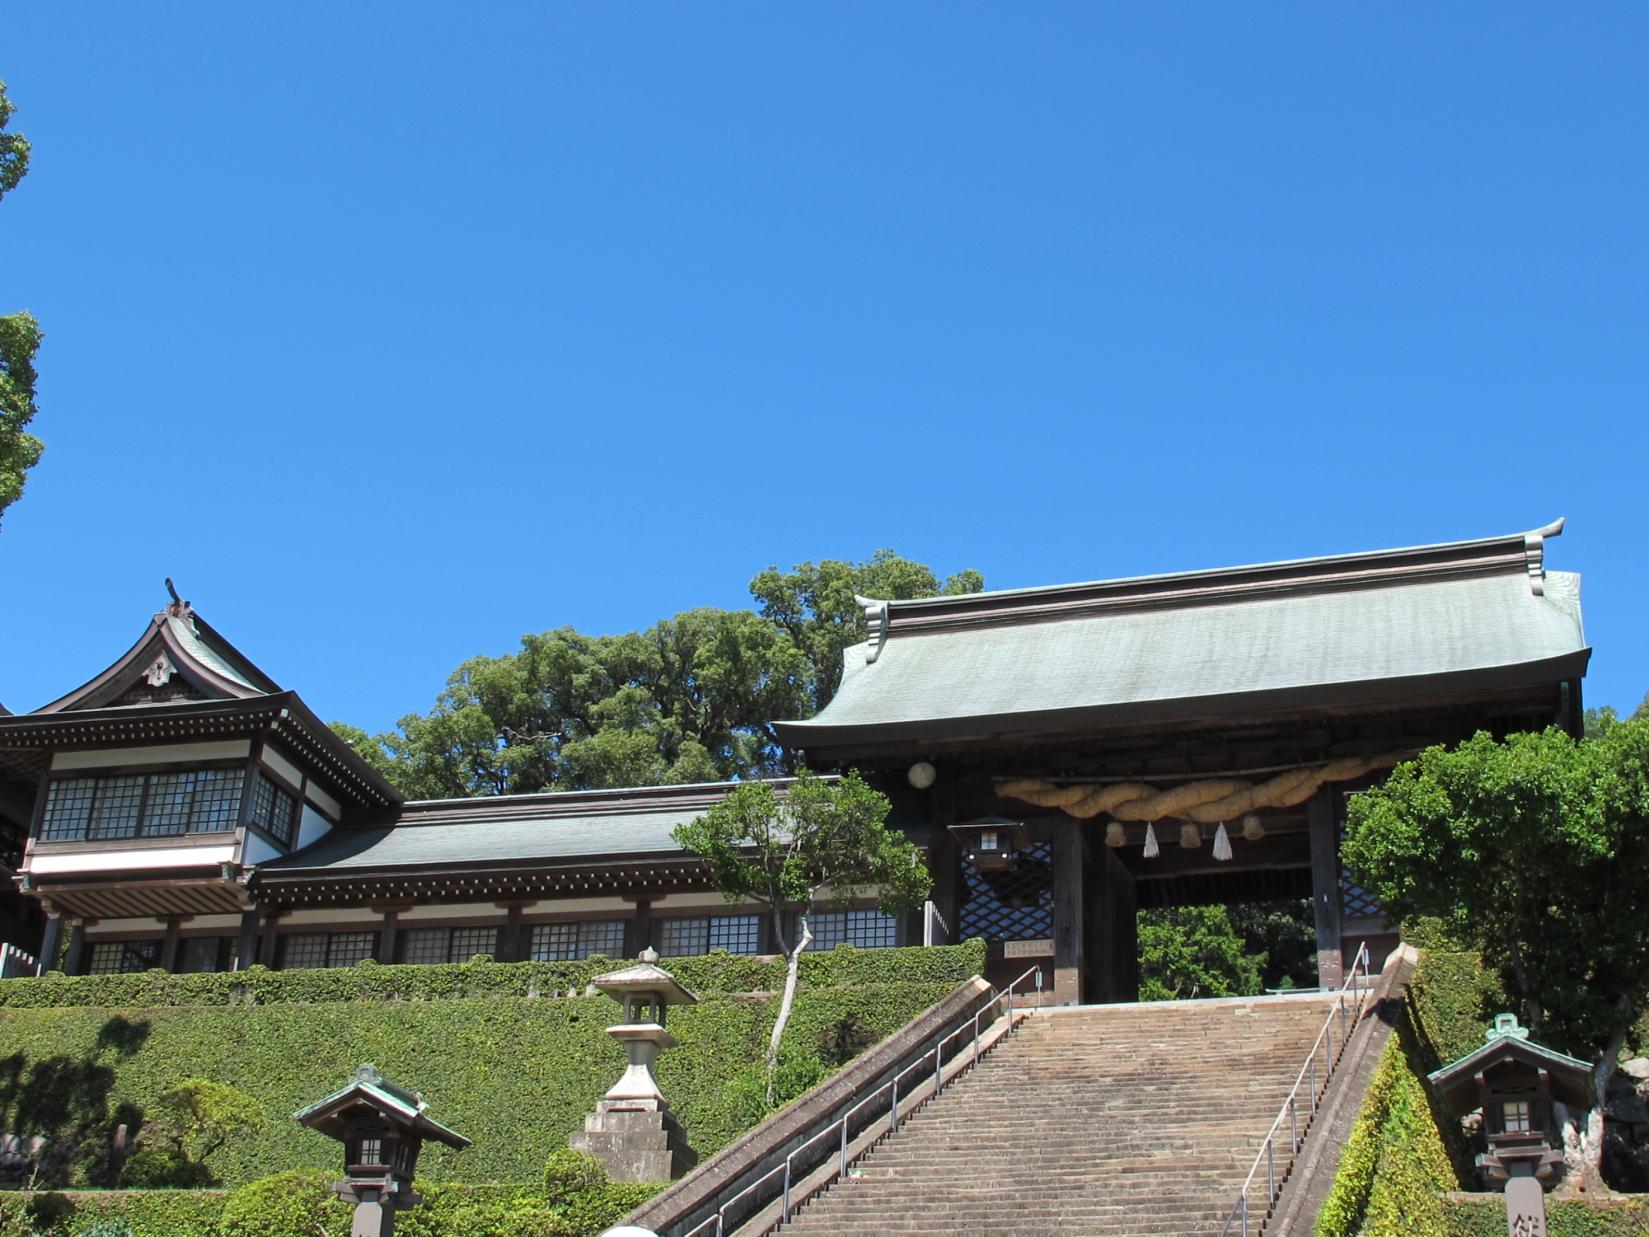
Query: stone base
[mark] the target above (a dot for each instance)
(636, 1144)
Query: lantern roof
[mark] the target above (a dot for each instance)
(645, 977)
(370, 1093)
(1506, 1043)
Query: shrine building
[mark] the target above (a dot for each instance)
(1065, 755)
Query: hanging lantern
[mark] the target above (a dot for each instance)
(1152, 850)
(1190, 836)
(1253, 829)
(1222, 845)
(1114, 836)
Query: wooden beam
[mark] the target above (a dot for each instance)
(1325, 886)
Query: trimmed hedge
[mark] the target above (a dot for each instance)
(1394, 1164)
(1403, 1157)
(302, 1204)
(481, 979)
(1486, 1217)
(515, 1074)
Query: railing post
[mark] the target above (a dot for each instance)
(720, 1220)
(1293, 1125)
(1270, 1172)
(976, 1039)
(786, 1207)
(893, 1123)
(938, 1070)
(842, 1172)
(1314, 1078)
(1244, 1197)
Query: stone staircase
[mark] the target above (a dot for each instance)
(1106, 1120)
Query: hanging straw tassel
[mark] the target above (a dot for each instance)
(1222, 845)
(1151, 849)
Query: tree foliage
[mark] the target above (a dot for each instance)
(1534, 849)
(822, 838)
(19, 342)
(690, 699)
(1193, 951)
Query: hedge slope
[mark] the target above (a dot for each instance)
(515, 1073)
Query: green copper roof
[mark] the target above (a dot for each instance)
(1356, 628)
(371, 1089)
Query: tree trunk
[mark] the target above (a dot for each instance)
(793, 962)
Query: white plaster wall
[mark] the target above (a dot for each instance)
(133, 860)
(330, 807)
(258, 850)
(311, 826)
(102, 758)
(281, 765)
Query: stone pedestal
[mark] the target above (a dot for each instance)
(636, 1144)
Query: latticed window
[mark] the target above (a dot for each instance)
(122, 957)
(306, 950)
(683, 937)
(872, 929)
(1517, 1116)
(199, 954)
(142, 805)
(434, 945)
(202, 801)
(273, 809)
(1015, 903)
(567, 942)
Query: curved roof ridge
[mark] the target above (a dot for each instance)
(1512, 552)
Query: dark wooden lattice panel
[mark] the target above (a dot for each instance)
(1355, 901)
(1015, 903)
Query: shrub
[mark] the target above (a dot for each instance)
(295, 1204)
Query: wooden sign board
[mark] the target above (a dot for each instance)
(1027, 949)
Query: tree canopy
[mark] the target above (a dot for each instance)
(1535, 850)
(19, 342)
(821, 837)
(689, 699)
(1194, 951)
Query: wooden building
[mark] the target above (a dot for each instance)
(1066, 754)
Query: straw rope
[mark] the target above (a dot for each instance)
(1204, 802)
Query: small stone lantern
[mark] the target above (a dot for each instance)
(1516, 1082)
(632, 1130)
(382, 1127)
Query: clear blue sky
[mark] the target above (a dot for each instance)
(394, 331)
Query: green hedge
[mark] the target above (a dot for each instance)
(1403, 1155)
(302, 1204)
(1395, 1163)
(370, 981)
(517, 1075)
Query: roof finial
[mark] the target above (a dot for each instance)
(179, 607)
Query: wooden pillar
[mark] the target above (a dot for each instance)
(1069, 896)
(266, 946)
(52, 944)
(947, 864)
(1325, 886)
(169, 945)
(767, 937)
(74, 960)
(246, 944)
(387, 932)
(640, 934)
(1122, 906)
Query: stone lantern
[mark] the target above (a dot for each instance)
(382, 1127)
(1516, 1083)
(632, 1130)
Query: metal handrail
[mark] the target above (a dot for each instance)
(844, 1125)
(1316, 1086)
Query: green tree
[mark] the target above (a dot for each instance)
(822, 839)
(1283, 934)
(1604, 715)
(690, 699)
(194, 1119)
(816, 605)
(19, 342)
(1193, 951)
(1534, 849)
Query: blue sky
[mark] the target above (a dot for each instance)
(393, 331)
